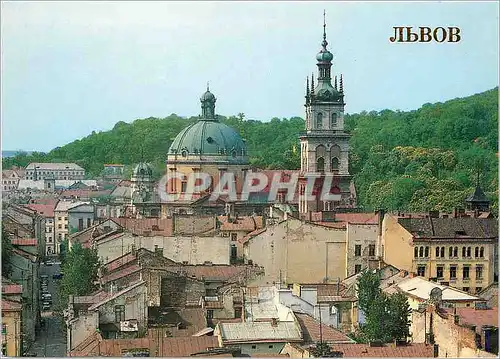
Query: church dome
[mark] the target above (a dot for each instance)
(208, 138)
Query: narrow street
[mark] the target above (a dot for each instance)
(51, 339)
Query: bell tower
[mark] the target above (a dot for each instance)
(324, 144)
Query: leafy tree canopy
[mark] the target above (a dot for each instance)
(421, 160)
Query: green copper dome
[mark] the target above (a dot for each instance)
(324, 56)
(209, 137)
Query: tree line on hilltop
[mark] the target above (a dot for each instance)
(427, 159)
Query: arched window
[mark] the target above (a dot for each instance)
(476, 252)
(455, 252)
(426, 252)
(320, 164)
(450, 252)
(464, 251)
(335, 165)
(468, 251)
(319, 121)
(415, 252)
(442, 252)
(437, 251)
(481, 252)
(334, 121)
(421, 252)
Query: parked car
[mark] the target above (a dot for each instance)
(47, 297)
(44, 277)
(57, 276)
(45, 306)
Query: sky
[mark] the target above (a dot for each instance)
(70, 68)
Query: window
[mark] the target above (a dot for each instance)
(59, 226)
(65, 226)
(465, 289)
(60, 236)
(89, 222)
(335, 165)
(254, 346)
(476, 252)
(357, 250)
(4, 329)
(270, 346)
(437, 252)
(442, 252)
(421, 271)
(465, 272)
(439, 271)
(210, 314)
(119, 313)
(238, 312)
(468, 252)
(464, 251)
(80, 224)
(320, 164)
(479, 272)
(357, 268)
(421, 252)
(455, 252)
(334, 120)
(415, 252)
(426, 252)
(234, 237)
(59, 218)
(371, 250)
(319, 121)
(481, 252)
(478, 290)
(183, 186)
(453, 272)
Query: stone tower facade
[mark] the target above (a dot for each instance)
(324, 144)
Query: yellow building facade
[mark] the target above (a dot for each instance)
(459, 252)
(11, 328)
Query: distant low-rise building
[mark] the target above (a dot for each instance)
(47, 211)
(10, 179)
(61, 222)
(58, 171)
(11, 328)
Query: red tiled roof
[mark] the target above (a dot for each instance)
(246, 223)
(357, 218)
(219, 271)
(418, 350)
(144, 226)
(339, 225)
(24, 241)
(8, 305)
(311, 330)
(477, 317)
(251, 235)
(46, 210)
(121, 273)
(93, 298)
(12, 289)
(120, 261)
(181, 347)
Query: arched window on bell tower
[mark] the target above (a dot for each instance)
(335, 165)
(320, 158)
(333, 123)
(319, 121)
(320, 164)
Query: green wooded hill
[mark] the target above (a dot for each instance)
(427, 159)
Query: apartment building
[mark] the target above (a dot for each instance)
(459, 252)
(47, 212)
(61, 222)
(58, 171)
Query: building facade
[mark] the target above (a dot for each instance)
(459, 252)
(58, 171)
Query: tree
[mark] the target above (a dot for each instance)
(80, 272)
(6, 253)
(323, 350)
(386, 317)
